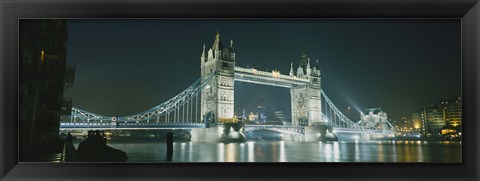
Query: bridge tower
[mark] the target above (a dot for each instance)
(217, 98)
(305, 99)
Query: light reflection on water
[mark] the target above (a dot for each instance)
(231, 152)
(357, 152)
(282, 152)
(285, 151)
(220, 151)
(251, 152)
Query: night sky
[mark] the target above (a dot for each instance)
(127, 66)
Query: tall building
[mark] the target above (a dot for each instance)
(434, 119)
(417, 123)
(244, 116)
(217, 98)
(44, 75)
(261, 111)
(446, 114)
(280, 118)
(406, 124)
(411, 123)
(453, 112)
(306, 102)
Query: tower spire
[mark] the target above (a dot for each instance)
(303, 63)
(217, 44)
(291, 69)
(203, 51)
(231, 50)
(308, 63)
(318, 68)
(309, 68)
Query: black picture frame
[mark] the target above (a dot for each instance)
(11, 11)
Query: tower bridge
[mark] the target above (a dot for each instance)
(207, 106)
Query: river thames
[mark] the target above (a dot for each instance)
(286, 151)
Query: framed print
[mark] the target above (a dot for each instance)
(240, 90)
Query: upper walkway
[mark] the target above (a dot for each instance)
(274, 78)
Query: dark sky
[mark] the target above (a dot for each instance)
(127, 66)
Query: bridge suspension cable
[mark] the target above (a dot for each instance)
(335, 117)
(177, 105)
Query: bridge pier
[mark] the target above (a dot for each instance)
(365, 137)
(320, 133)
(228, 132)
(211, 134)
(297, 138)
(313, 133)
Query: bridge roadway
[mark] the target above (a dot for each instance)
(294, 130)
(128, 126)
(132, 126)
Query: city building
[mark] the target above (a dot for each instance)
(405, 124)
(279, 118)
(252, 117)
(417, 123)
(44, 74)
(261, 111)
(453, 112)
(409, 125)
(279, 115)
(244, 116)
(434, 118)
(442, 118)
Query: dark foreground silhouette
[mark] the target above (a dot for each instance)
(169, 146)
(95, 149)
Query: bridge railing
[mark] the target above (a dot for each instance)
(279, 128)
(130, 125)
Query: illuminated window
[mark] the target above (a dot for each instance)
(42, 56)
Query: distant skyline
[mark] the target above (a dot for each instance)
(127, 66)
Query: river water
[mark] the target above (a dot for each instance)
(285, 151)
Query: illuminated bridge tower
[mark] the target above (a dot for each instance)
(306, 101)
(217, 97)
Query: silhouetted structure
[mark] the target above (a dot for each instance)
(69, 150)
(169, 146)
(95, 149)
(43, 76)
